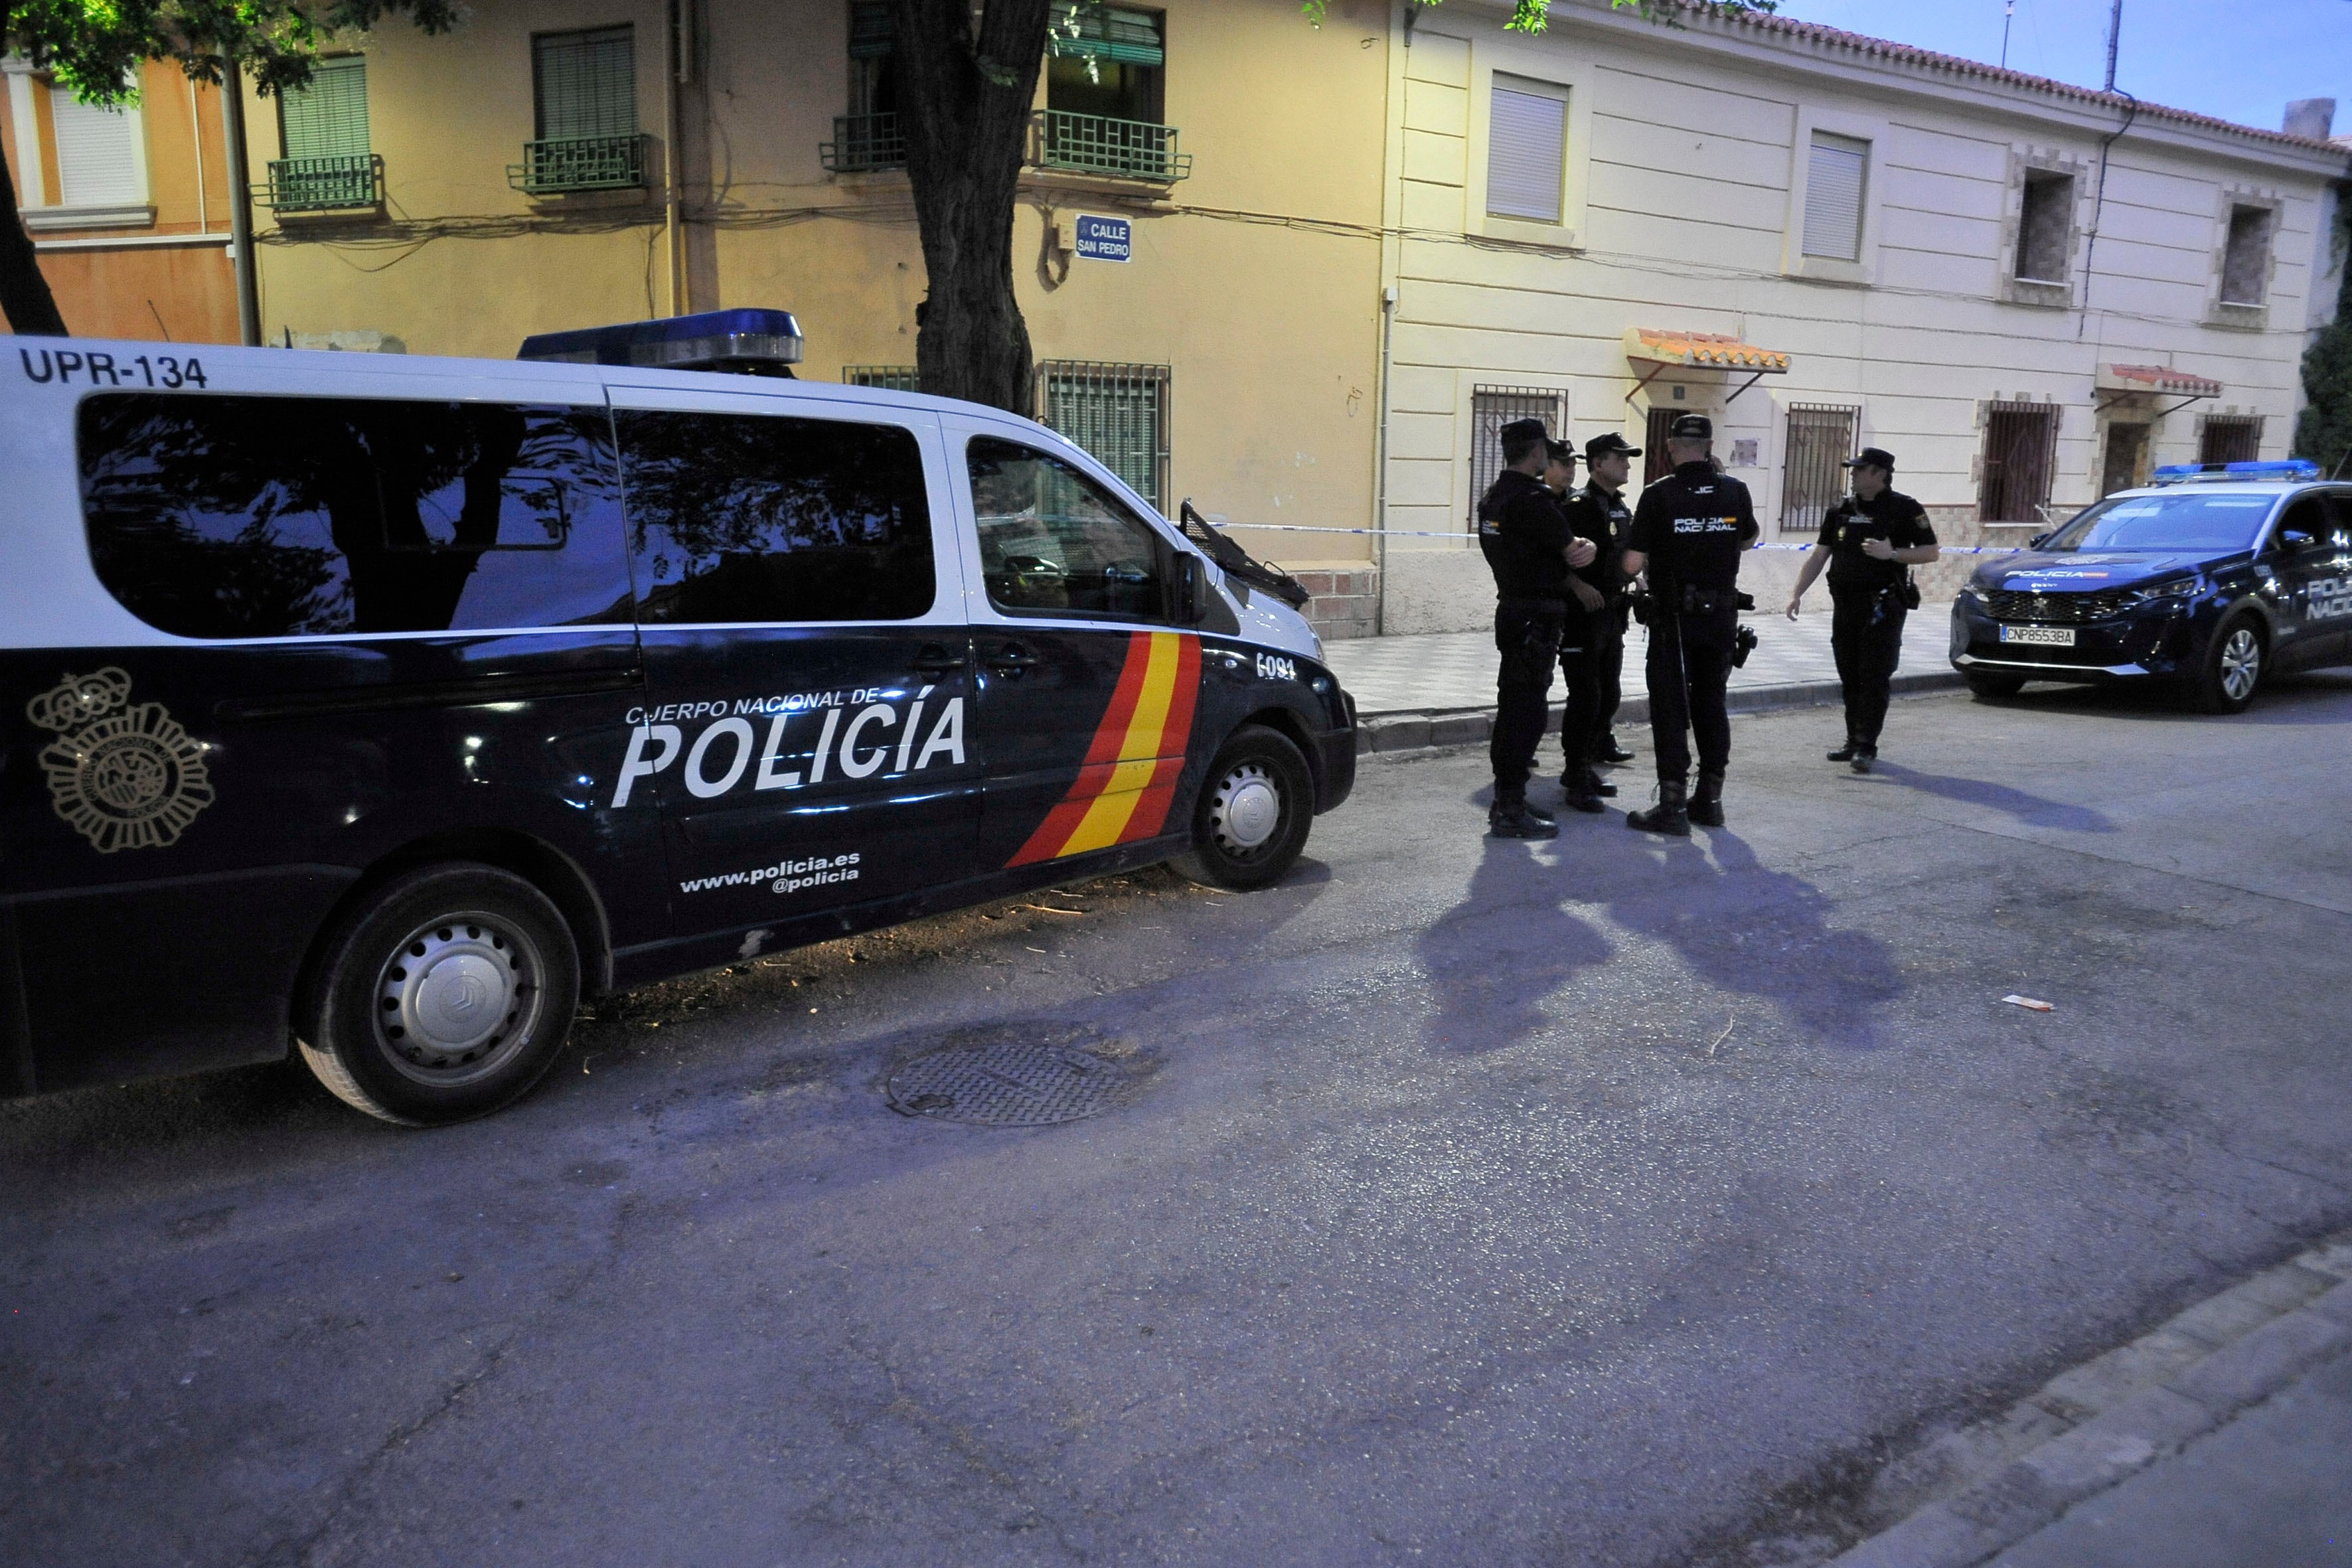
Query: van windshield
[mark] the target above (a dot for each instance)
(2182, 520)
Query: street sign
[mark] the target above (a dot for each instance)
(1105, 239)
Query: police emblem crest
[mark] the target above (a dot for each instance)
(124, 776)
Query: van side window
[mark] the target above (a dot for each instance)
(262, 517)
(1052, 542)
(763, 518)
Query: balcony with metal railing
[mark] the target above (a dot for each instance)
(561, 164)
(1098, 144)
(324, 184)
(864, 144)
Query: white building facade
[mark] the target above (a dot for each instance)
(2028, 293)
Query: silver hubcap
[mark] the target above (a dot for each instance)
(458, 999)
(1246, 810)
(2241, 664)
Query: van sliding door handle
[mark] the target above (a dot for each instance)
(933, 659)
(1012, 659)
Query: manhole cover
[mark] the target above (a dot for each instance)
(1010, 1085)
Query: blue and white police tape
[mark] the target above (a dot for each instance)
(1449, 534)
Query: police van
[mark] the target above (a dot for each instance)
(388, 706)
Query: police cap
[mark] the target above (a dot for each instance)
(1522, 432)
(1600, 446)
(1692, 427)
(1871, 458)
(1560, 452)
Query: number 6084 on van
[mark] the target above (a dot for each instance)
(382, 707)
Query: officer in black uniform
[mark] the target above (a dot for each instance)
(1608, 468)
(1869, 542)
(1687, 535)
(1526, 542)
(1583, 635)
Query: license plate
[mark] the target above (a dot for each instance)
(2048, 637)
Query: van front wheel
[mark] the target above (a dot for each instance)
(446, 995)
(1250, 820)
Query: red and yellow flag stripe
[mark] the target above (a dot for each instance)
(1128, 782)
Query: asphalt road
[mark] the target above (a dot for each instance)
(1598, 1201)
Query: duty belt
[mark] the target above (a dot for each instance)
(1509, 603)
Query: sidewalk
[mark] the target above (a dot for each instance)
(1449, 672)
(2222, 1438)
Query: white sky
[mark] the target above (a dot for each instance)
(2240, 59)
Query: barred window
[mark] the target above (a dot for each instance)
(1821, 438)
(2020, 460)
(1117, 413)
(2229, 438)
(888, 378)
(1491, 408)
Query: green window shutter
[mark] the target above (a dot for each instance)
(328, 119)
(1106, 32)
(587, 83)
(869, 30)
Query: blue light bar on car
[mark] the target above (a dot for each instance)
(755, 342)
(2290, 469)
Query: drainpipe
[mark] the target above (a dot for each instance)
(677, 74)
(1380, 475)
(240, 206)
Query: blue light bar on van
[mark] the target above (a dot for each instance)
(756, 342)
(2290, 469)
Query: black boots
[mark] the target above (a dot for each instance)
(1512, 818)
(1845, 754)
(1580, 789)
(1668, 815)
(1862, 758)
(1609, 750)
(1706, 805)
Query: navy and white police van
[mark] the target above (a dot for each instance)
(2213, 578)
(382, 707)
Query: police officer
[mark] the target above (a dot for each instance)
(1869, 542)
(1526, 539)
(1582, 634)
(1687, 535)
(1608, 467)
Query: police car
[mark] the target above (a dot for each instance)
(387, 706)
(2214, 578)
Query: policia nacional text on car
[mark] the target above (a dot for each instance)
(1526, 539)
(1869, 542)
(1687, 535)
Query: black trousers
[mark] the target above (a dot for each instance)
(1609, 676)
(1866, 635)
(1527, 636)
(1583, 652)
(1689, 667)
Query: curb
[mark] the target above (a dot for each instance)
(1972, 1493)
(1412, 730)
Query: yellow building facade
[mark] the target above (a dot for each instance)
(554, 164)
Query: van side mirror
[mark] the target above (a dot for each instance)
(2295, 539)
(2036, 541)
(1188, 590)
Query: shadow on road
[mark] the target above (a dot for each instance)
(1750, 929)
(1494, 957)
(2034, 810)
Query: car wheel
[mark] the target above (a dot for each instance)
(2233, 666)
(1986, 687)
(444, 996)
(1251, 819)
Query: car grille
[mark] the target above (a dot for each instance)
(2057, 609)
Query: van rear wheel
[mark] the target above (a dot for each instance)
(1250, 818)
(445, 996)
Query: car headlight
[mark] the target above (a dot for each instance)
(2176, 588)
(1981, 590)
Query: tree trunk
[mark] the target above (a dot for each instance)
(964, 111)
(25, 297)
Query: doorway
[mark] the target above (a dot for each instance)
(2126, 464)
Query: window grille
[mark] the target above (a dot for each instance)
(888, 378)
(1821, 438)
(2045, 226)
(1117, 413)
(1491, 408)
(2229, 438)
(2020, 461)
(98, 153)
(1526, 149)
(1833, 193)
(2246, 264)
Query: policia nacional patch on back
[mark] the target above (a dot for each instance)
(123, 776)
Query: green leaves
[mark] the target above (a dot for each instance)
(95, 45)
(1533, 15)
